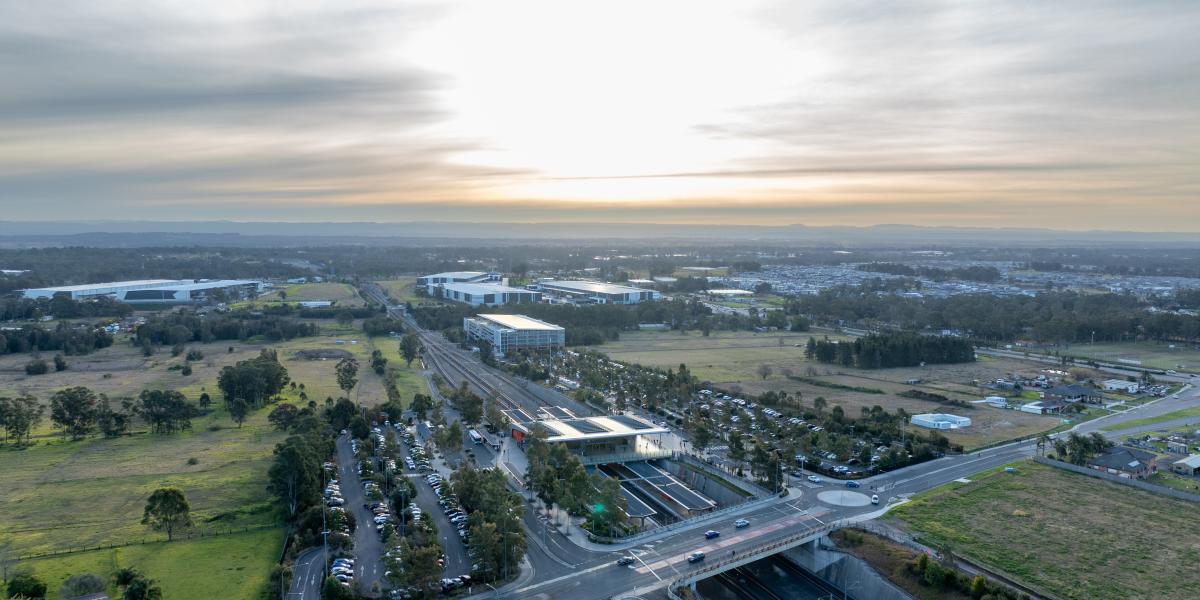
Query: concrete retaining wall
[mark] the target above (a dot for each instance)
(841, 570)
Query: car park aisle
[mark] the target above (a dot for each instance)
(452, 546)
(367, 548)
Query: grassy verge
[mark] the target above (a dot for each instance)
(1179, 414)
(230, 566)
(1075, 536)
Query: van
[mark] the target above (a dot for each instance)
(874, 499)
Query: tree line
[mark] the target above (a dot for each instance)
(182, 327)
(65, 338)
(62, 307)
(891, 349)
(1059, 317)
(79, 412)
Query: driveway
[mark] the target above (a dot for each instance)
(308, 571)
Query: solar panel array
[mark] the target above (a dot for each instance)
(585, 426)
(630, 422)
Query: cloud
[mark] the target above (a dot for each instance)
(766, 112)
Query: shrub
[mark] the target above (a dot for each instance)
(186, 370)
(60, 363)
(37, 366)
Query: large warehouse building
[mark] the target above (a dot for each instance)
(595, 292)
(151, 291)
(511, 332)
(484, 294)
(429, 282)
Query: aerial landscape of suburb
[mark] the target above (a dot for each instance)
(560, 300)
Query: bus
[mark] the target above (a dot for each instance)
(475, 437)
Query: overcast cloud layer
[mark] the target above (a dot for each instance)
(1072, 115)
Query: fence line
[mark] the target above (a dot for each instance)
(1142, 485)
(178, 538)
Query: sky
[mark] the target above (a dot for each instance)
(1069, 115)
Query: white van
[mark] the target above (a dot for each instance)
(874, 499)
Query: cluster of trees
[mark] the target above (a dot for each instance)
(468, 404)
(891, 349)
(182, 327)
(62, 307)
(18, 416)
(80, 412)
(981, 274)
(252, 383)
(1078, 449)
(944, 576)
(497, 536)
(557, 476)
(68, 339)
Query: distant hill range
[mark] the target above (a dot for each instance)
(250, 233)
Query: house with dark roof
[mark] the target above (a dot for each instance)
(1124, 461)
(1074, 393)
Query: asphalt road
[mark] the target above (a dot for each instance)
(368, 550)
(308, 571)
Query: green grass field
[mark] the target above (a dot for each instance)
(227, 566)
(730, 360)
(342, 293)
(1069, 534)
(1151, 354)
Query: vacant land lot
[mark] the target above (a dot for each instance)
(342, 293)
(730, 360)
(401, 290)
(1151, 354)
(1073, 535)
(229, 566)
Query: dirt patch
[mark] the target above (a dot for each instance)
(323, 354)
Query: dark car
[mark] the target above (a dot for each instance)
(624, 561)
(711, 533)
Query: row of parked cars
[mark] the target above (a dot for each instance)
(454, 513)
(342, 569)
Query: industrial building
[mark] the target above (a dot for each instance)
(429, 281)
(152, 291)
(484, 294)
(940, 421)
(594, 292)
(512, 332)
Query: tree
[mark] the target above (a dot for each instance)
(764, 371)
(136, 586)
(8, 560)
(60, 363)
(167, 510)
(81, 585)
(166, 411)
(293, 476)
(409, 347)
(345, 317)
(452, 437)
(347, 374)
(205, 400)
(283, 416)
(239, 409)
(74, 411)
(421, 404)
(21, 415)
(113, 423)
(254, 380)
(341, 413)
(359, 427)
(26, 585)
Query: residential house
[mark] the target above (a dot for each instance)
(1124, 461)
(1074, 393)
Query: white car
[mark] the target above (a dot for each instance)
(814, 479)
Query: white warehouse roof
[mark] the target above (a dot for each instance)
(520, 322)
(595, 287)
(104, 286)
